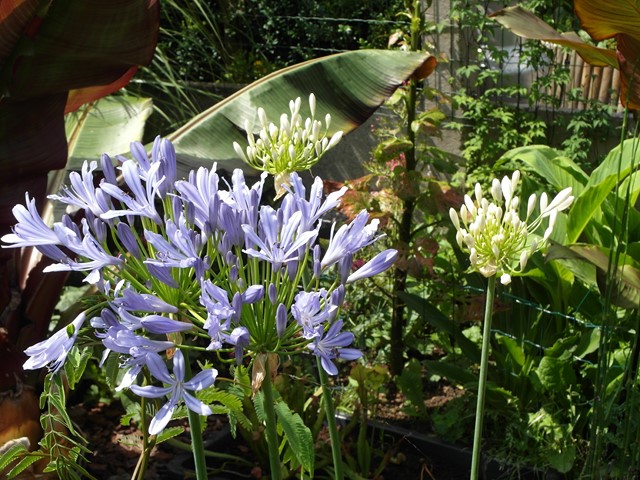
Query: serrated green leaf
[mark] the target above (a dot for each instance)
(23, 464)
(242, 381)
(555, 374)
(258, 404)
(125, 420)
(214, 394)
(12, 454)
(234, 417)
(76, 364)
(298, 435)
(168, 433)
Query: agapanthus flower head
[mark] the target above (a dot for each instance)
(295, 145)
(203, 264)
(499, 242)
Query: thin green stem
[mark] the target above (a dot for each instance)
(195, 429)
(270, 427)
(141, 466)
(331, 423)
(484, 360)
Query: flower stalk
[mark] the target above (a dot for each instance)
(499, 244)
(484, 362)
(270, 424)
(330, 412)
(195, 430)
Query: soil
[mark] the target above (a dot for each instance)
(116, 448)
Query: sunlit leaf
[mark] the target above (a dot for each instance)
(525, 24)
(549, 164)
(107, 126)
(626, 292)
(603, 19)
(618, 164)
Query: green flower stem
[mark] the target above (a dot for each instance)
(196, 432)
(486, 345)
(141, 467)
(270, 427)
(331, 423)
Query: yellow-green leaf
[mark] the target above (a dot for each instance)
(525, 24)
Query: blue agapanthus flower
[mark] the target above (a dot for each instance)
(198, 264)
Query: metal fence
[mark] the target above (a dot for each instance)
(458, 47)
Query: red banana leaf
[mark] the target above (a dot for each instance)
(601, 19)
(55, 56)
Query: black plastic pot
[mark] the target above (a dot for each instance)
(450, 462)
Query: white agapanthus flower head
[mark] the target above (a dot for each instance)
(499, 242)
(294, 146)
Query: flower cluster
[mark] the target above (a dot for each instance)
(294, 146)
(188, 264)
(499, 242)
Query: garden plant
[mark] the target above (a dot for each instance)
(219, 277)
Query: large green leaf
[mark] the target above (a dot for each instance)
(107, 125)
(626, 293)
(560, 171)
(350, 86)
(617, 165)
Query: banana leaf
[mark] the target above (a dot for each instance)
(601, 19)
(625, 292)
(350, 86)
(525, 24)
(106, 126)
(54, 56)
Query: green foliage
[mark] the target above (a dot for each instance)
(62, 447)
(410, 384)
(228, 402)
(297, 436)
(263, 37)
(499, 113)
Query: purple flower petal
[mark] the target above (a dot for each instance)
(376, 265)
(196, 405)
(202, 380)
(158, 368)
(162, 418)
